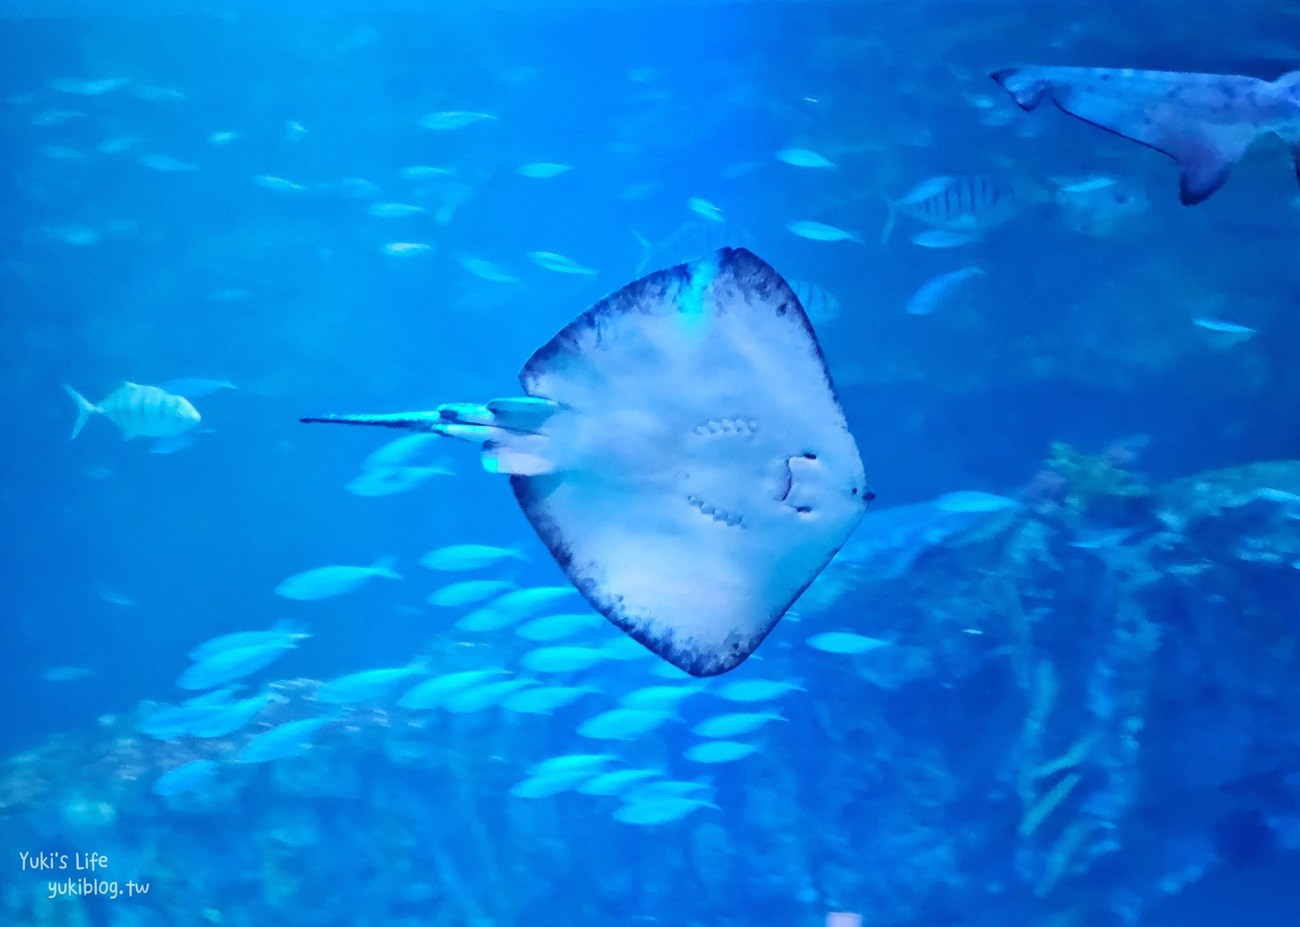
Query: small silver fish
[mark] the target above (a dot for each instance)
(406, 451)
(166, 164)
(148, 411)
(406, 248)
(425, 171)
(1219, 325)
(558, 627)
(278, 184)
(716, 751)
(367, 685)
(117, 144)
(938, 290)
(329, 581)
(226, 666)
(820, 231)
(549, 260)
(388, 481)
(88, 88)
(289, 739)
(735, 724)
(459, 557)
(1099, 205)
(544, 170)
(394, 210)
(1225, 334)
(803, 157)
(282, 634)
(154, 94)
(623, 723)
(702, 207)
(454, 119)
(757, 690)
(846, 643)
(563, 659)
(484, 269)
(468, 592)
(944, 238)
(193, 776)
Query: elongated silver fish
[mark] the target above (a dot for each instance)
(939, 289)
(149, 411)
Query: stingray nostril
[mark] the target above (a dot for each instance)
(810, 455)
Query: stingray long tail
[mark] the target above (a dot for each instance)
(510, 430)
(407, 421)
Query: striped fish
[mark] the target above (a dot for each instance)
(693, 240)
(148, 411)
(819, 303)
(972, 203)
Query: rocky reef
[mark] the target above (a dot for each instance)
(1088, 714)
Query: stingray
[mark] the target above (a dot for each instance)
(681, 452)
(1205, 122)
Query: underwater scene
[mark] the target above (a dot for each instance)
(816, 464)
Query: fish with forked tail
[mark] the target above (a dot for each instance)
(960, 209)
(148, 411)
(1205, 122)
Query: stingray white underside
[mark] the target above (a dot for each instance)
(689, 466)
(681, 453)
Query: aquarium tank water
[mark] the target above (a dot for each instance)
(692, 463)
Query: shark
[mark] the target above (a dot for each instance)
(1205, 122)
